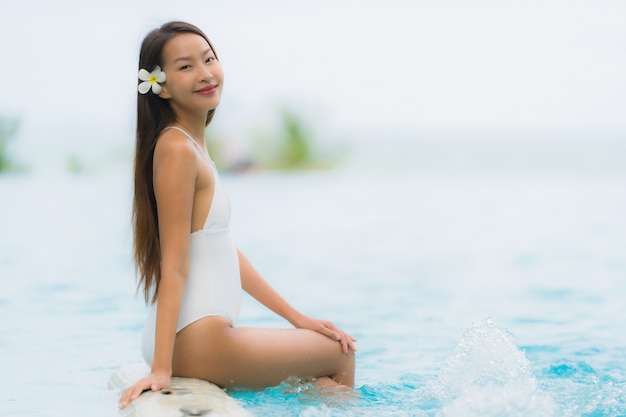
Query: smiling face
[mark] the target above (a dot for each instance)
(194, 75)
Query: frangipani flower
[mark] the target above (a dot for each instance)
(151, 79)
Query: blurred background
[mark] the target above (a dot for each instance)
(414, 166)
(445, 85)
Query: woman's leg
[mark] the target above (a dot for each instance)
(245, 357)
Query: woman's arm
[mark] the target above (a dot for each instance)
(254, 284)
(175, 173)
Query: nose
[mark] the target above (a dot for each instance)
(205, 73)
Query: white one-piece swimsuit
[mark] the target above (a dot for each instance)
(213, 286)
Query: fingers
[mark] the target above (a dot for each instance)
(129, 395)
(350, 342)
(154, 382)
(326, 330)
(136, 390)
(344, 345)
(347, 343)
(345, 340)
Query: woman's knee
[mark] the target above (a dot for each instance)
(345, 373)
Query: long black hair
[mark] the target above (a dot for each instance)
(153, 115)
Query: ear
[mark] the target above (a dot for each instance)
(164, 94)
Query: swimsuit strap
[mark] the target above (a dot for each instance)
(184, 132)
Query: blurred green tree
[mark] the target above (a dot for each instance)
(8, 129)
(296, 142)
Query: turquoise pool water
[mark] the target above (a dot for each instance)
(470, 296)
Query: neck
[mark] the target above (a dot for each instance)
(194, 124)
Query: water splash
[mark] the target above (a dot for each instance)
(300, 396)
(487, 375)
(581, 391)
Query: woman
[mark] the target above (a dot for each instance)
(188, 265)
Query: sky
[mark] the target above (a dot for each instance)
(68, 68)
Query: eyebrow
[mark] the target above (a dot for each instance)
(188, 58)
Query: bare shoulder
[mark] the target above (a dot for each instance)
(173, 147)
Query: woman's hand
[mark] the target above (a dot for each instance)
(327, 328)
(154, 382)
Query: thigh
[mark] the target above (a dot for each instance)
(210, 349)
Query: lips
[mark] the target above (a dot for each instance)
(208, 90)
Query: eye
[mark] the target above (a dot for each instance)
(184, 67)
(210, 59)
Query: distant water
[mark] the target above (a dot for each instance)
(472, 295)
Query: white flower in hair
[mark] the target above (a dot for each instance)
(151, 79)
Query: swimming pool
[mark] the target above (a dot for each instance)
(470, 296)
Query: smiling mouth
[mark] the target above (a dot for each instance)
(210, 89)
